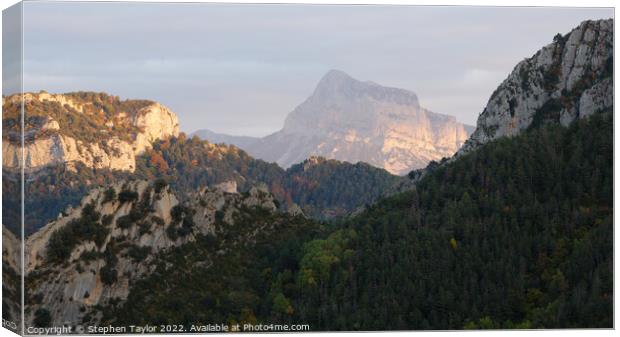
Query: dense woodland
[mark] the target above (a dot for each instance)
(322, 188)
(517, 234)
(48, 193)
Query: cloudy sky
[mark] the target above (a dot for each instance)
(240, 69)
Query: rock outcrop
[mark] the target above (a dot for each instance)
(91, 255)
(112, 139)
(568, 79)
(351, 120)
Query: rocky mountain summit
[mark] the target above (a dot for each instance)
(91, 255)
(351, 120)
(96, 129)
(568, 79)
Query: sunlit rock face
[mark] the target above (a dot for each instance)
(112, 140)
(570, 78)
(353, 121)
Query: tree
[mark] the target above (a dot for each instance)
(42, 318)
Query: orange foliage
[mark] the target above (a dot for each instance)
(159, 162)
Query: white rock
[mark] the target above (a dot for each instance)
(49, 148)
(513, 106)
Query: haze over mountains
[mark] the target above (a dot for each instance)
(351, 120)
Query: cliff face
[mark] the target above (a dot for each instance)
(568, 79)
(351, 120)
(91, 256)
(97, 130)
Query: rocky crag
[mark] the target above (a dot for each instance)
(96, 129)
(90, 257)
(568, 79)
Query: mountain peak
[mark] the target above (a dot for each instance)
(350, 120)
(336, 84)
(335, 81)
(337, 75)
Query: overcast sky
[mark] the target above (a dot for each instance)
(240, 69)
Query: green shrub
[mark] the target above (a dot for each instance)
(85, 228)
(90, 255)
(159, 185)
(138, 253)
(548, 112)
(109, 195)
(219, 216)
(145, 227)
(172, 232)
(42, 318)
(106, 220)
(127, 196)
(124, 221)
(157, 220)
(108, 275)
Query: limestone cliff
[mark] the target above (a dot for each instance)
(89, 257)
(570, 78)
(95, 129)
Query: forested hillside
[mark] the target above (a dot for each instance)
(514, 235)
(49, 192)
(322, 188)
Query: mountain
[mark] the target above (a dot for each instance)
(93, 256)
(220, 138)
(323, 189)
(568, 79)
(95, 129)
(350, 120)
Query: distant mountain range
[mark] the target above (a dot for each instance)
(351, 120)
(217, 138)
